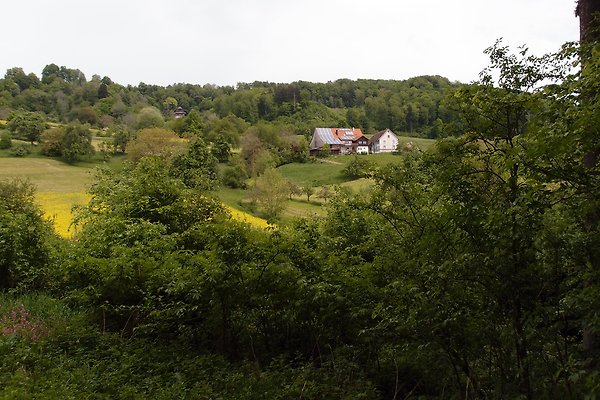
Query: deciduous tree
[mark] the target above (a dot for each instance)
(269, 193)
(26, 125)
(153, 142)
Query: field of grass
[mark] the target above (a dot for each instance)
(297, 207)
(421, 143)
(314, 173)
(47, 175)
(375, 159)
(61, 186)
(359, 185)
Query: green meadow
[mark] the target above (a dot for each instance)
(60, 186)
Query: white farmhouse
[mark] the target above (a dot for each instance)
(383, 142)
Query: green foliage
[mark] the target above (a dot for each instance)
(5, 140)
(469, 270)
(87, 115)
(26, 125)
(72, 142)
(193, 124)
(234, 176)
(308, 190)
(20, 150)
(196, 167)
(153, 142)
(221, 149)
(359, 167)
(52, 141)
(76, 142)
(25, 238)
(269, 193)
(150, 117)
(120, 138)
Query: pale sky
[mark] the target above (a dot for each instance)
(224, 42)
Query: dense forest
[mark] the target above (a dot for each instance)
(64, 95)
(470, 270)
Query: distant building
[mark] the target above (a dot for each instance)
(338, 141)
(179, 112)
(384, 141)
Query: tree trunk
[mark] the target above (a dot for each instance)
(588, 12)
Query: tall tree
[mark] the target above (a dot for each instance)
(26, 125)
(588, 13)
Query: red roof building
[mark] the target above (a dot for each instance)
(339, 141)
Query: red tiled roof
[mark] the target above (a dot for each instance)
(351, 133)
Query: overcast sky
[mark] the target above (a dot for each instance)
(224, 42)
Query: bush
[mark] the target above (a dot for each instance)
(52, 142)
(234, 177)
(358, 168)
(20, 150)
(5, 140)
(71, 142)
(24, 238)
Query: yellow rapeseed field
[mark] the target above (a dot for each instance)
(247, 218)
(58, 207)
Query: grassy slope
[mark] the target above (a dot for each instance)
(327, 171)
(314, 174)
(46, 174)
(59, 186)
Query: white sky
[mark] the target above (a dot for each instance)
(229, 41)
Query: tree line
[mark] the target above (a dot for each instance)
(63, 94)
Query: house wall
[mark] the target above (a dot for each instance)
(362, 149)
(388, 142)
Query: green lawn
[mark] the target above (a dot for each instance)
(314, 173)
(47, 174)
(231, 197)
(376, 159)
(298, 207)
(359, 185)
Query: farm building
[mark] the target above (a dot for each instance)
(338, 141)
(384, 141)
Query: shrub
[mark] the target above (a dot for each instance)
(25, 249)
(358, 168)
(234, 177)
(20, 150)
(5, 140)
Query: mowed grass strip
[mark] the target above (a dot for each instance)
(46, 174)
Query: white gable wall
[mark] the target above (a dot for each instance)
(388, 142)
